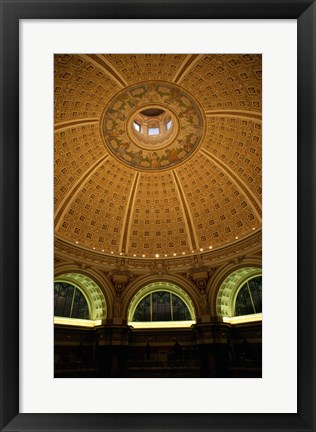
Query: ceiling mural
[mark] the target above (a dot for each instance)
(139, 149)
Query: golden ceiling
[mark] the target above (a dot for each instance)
(198, 192)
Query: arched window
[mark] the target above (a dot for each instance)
(70, 302)
(249, 297)
(78, 301)
(168, 124)
(239, 298)
(161, 306)
(137, 126)
(153, 131)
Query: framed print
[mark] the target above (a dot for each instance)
(156, 181)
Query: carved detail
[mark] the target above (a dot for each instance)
(249, 245)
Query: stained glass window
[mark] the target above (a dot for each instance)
(143, 310)
(179, 310)
(161, 309)
(161, 306)
(249, 297)
(69, 301)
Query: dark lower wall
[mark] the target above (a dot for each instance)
(205, 350)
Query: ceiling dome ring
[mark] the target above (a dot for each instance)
(152, 99)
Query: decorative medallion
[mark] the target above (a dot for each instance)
(152, 126)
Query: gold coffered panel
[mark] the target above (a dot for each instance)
(76, 149)
(80, 88)
(134, 68)
(226, 81)
(158, 222)
(236, 144)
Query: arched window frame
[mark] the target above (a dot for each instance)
(227, 294)
(92, 293)
(238, 291)
(80, 290)
(158, 287)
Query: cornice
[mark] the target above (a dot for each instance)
(236, 251)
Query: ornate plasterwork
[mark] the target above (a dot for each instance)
(117, 119)
(252, 244)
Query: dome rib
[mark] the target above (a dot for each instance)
(62, 126)
(187, 216)
(251, 115)
(188, 62)
(126, 225)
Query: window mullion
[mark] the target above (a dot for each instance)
(253, 305)
(72, 302)
(171, 307)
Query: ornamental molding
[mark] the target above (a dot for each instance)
(235, 252)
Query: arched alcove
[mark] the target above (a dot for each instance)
(177, 295)
(91, 291)
(140, 282)
(226, 296)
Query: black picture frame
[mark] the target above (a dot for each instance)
(11, 12)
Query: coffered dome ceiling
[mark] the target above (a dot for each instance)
(156, 156)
